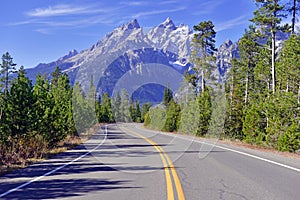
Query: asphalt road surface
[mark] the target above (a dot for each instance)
(125, 161)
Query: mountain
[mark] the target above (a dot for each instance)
(226, 52)
(129, 51)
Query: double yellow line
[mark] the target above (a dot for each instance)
(168, 168)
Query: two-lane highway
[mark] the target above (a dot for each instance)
(125, 161)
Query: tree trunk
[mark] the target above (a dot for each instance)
(247, 88)
(294, 10)
(231, 96)
(299, 92)
(273, 33)
(6, 83)
(202, 81)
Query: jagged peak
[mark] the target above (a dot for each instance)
(133, 24)
(226, 44)
(168, 23)
(70, 54)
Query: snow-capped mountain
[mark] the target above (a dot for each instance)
(128, 49)
(226, 52)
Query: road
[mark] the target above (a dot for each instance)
(125, 161)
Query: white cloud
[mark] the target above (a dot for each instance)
(207, 7)
(156, 12)
(60, 10)
(231, 23)
(134, 3)
(46, 20)
(167, 2)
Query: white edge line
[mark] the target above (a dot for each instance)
(55, 170)
(239, 152)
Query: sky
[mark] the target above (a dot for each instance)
(41, 31)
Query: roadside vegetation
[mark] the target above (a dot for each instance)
(262, 88)
(51, 116)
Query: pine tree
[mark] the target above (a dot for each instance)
(255, 123)
(157, 117)
(62, 108)
(79, 108)
(124, 108)
(173, 117)
(138, 112)
(42, 107)
(203, 49)
(190, 110)
(132, 112)
(204, 103)
(294, 10)
(21, 100)
(117, 108)
(263, 71)
(106, 114)
(235, 90)
(7, 68)
(288, 66)
(144, 110)
(168, 96)
(248, 50)
(268, 17)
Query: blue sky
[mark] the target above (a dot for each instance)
(40, 31)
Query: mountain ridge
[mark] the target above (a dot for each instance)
(128, 47)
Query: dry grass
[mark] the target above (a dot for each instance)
(69, 143)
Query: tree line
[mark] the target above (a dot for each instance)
(35, 118)
(261, 101)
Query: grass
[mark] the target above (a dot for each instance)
(69, 143)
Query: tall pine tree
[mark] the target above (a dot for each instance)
(203, 49)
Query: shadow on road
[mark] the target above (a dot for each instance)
(59, 188)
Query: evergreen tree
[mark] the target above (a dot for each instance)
(263, 71)
(55, 74)
(235, 90)
(117, 108)
(293, 9)
(106, 114)
(7, 68)
(203, 49)
(189, 120)
(168, 96)
(172, 117)
(62, 108)
(124, 107)
(144, 110)
(268, 17)
(79, 108)
(132, 112)
(138, 112)
(254, 123)
(43, 107)
(21, 100)
(288, 66)
(190, 117)
(157, 117)
(204, 103)
(248, 49)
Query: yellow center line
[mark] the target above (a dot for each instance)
(179, 189)
(167, 163)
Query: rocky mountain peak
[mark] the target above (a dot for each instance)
(168, 23)
(133, 24)
(226, 44)
(69, 55)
